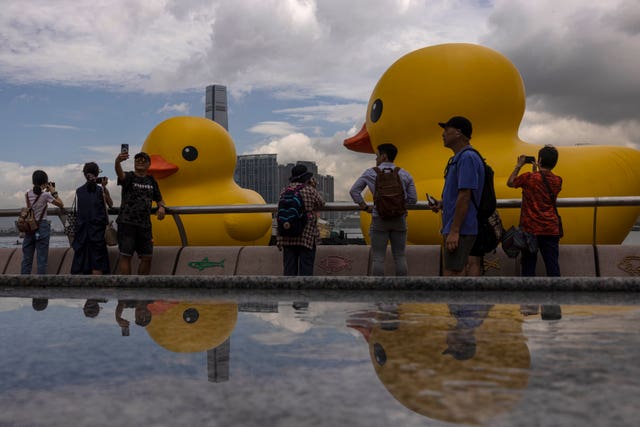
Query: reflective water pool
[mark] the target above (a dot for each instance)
(157, 362)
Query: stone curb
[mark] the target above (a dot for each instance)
(353, 283)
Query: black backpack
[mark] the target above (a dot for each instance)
(388, 195)
(490, 227)
(291, 215)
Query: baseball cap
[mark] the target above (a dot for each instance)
(458, 122)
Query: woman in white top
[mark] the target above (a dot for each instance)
(42, 193)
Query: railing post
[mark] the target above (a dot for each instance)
(180, 226)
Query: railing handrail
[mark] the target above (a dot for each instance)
(350, 206)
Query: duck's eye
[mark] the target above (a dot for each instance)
(190, 315)
(190, 153)
(379, 354)
(376, 110)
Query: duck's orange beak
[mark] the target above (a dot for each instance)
(360, 142)
(160, 168)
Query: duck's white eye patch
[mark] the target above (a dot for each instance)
(190, 153)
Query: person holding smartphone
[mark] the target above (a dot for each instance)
(37, 242)
(139, 190)
(538, 214)
(90, 255)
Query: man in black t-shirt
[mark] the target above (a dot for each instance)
(134, 224)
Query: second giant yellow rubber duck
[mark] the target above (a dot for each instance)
(430, 85)
(194, 159)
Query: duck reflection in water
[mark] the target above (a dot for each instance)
(459, 363)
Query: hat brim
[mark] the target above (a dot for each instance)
(301, 178)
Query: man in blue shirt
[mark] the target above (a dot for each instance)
(464, 175)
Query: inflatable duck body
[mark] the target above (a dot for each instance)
(432, 84)
(435, 357)
(194, 159)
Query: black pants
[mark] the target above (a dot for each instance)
(549, 247)
(298, 260)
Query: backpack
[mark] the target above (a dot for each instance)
(490, 227)
(388, 196)
(27, 222)
(291, 215)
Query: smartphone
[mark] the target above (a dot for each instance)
(101, 180)
(124, 148)
(125, 331)
(529, 159)
(431, 200)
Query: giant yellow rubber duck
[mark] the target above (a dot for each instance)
(194, 159)
(430, 85)
(456, 363)
(188, 327)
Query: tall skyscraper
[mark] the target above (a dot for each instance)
(259, 172)
(216, 105)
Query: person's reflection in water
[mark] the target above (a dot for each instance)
(550, 312)
(92, 307)
(461, 341)
(547, 311)
(142, 314)
(39, 304)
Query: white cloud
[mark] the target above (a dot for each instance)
(273, 128)
(181, 108)
(337, 113)
(345, 166)
(545, 128)
(54, 126)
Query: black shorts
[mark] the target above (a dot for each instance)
(132, 238)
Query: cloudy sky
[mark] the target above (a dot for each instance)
(78, 78)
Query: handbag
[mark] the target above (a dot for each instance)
(560, 228)
(111, 235)
(71, 221)
(515, 240)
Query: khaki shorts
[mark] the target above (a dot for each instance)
(457, 260)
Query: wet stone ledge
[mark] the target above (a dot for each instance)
(342, 283)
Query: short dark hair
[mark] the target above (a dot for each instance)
(92, 168)
(548, 157)
(389, 149)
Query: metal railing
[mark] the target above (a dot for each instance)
(177, 211)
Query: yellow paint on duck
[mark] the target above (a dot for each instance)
(430, 85)
(194, 159)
